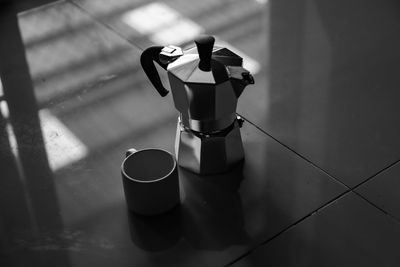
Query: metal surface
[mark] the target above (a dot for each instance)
(205, 99)
(206, 83)
(211, 153)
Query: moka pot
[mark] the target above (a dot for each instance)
(206, 82)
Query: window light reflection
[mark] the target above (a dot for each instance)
(164, 25)
(62, 146)
(1, 90)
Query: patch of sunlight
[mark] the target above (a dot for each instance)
(12, 140)
(179, 32)
(5, 113)
(262, 2)
(62, 146)
(1, 89)
(166, 26)
(163, 24)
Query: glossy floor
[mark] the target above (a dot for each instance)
(317, 188)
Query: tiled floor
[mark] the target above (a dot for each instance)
(348, 232)
(317, 188)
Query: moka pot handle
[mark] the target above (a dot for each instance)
(147, 59)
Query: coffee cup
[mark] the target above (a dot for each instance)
(151, 182)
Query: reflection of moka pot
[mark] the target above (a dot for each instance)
(206, 82)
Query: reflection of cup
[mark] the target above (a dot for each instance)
(155, 233)
(151, 182)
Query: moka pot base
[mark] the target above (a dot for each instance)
(209, 153)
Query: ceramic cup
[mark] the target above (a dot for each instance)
(151, 182)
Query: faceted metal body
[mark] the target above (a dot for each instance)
(206, 82)
(209, 154)
(204, 107)
(208, 137)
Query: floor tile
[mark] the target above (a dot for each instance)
(220, 217)
(171, 22)
(382, 190)
(308, 80)
(330, 87)
(86, 76)
(62, 43)
(348, 232)
(87, 79)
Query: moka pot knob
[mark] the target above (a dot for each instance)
(205, 46)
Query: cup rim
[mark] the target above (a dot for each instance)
(125, 175)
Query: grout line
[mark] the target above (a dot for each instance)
(309, 215)
(304, 218)
(295, 152)
(349, 190)
(289, 227)
(41, 7)
(104, 24)
(377, 207)
(370, 178)
(319, 168)
(376, 174)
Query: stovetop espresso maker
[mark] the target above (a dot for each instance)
(206, 82)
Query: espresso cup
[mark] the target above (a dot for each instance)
(150, 180)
